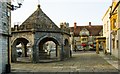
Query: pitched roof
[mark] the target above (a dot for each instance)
(39, 21)
(93, 30)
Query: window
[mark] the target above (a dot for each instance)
(104, 28)
(107, 25)
(114, 23)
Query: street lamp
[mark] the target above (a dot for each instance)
(13, 7)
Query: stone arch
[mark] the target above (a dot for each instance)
(55, 39)
(42, 54)
(17, 37)
(23, 49)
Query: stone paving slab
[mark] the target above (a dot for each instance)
(111, 60)
(80, 62)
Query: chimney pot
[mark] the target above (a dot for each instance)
(89, 23)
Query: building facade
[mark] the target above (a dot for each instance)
(84, 37)
(107, 30)
(115, 27)
(4, 37)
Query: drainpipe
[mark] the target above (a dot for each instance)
(110, 36)
(8, 66)
(110, 45)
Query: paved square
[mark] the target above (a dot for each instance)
(87, 61)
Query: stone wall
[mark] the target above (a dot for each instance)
(3, 52)
(4, 26)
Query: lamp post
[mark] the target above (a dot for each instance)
(9, 8)
(14, 7)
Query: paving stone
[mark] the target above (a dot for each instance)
(81, 63)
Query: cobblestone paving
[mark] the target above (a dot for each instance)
(80, 62)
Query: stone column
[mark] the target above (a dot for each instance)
(14, 54)
(62, 52)
(35, 53)
(104, 47)
(97, 46)
(23, 49)
(59, 52)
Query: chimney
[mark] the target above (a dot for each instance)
(89, 23)
(61, 25)
(75, 25)
(15, 27)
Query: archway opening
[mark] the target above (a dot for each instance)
(66, 43)
(21, 51)
(48, 49)
(67, 51)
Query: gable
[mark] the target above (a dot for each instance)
(84, 31)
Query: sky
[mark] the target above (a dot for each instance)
(70, 11)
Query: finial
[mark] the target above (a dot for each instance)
(38, 5)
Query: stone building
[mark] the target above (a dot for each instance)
(33, 34)
(4, 37)
(84, 37)
(107, 30)
(115, 27)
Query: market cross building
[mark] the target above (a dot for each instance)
(33, 34)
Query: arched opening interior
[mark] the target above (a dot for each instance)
(48, 49)
(21, 51)
(67, 51)
(66, 43)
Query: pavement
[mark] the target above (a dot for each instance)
(111, 60)
(80, 63)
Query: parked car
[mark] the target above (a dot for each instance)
(91, 46)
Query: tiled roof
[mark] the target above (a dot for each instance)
(39, 21)
(93, 30)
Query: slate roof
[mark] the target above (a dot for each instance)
(94, 30)
(39, 21)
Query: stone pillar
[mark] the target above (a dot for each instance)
(104, 47)
(62, 52)
(14, 54)
(25, 49)
(35, 54)
(97, 46)
(59, 52)
(31, 54)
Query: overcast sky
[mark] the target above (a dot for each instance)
(80, 11)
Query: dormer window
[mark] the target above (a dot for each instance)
(84, 31)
